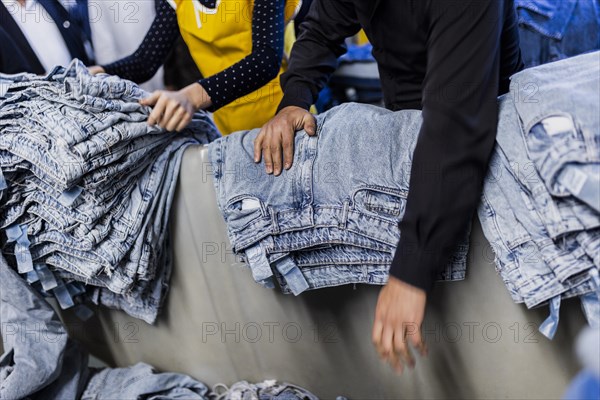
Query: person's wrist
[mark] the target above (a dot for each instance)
(289, 109)
(96, 69)
(407, 286)
(198, 96)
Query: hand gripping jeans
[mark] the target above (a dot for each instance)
(336, 194)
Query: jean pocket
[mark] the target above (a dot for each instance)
(557, 131)
(242, 211)
(380, 201)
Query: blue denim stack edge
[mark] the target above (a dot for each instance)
(86, 187)
(332, 219)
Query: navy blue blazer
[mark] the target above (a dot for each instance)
(16, 55)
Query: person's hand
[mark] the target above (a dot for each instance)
(398, 318)
(96, 69)
(173, 111)
(277, 138)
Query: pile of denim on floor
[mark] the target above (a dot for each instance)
(41, 361)
(332, 218)
(87, 187)
(540, 208)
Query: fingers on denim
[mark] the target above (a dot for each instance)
(88, 187)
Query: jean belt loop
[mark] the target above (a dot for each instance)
(549, 326)
(13, 233)
(590, 304)
(46, 277)
(274, 224)
(22, 253)
(312, 211)
(292, 275)
(75, 288)
(62, 295)
(68, 197)
(596, 279)
(3, 184)
(4, 85)
(83, 312)
(32, 277)
(345, 212)
(259, 264)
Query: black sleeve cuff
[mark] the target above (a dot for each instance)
(296, 95)
(216, 101)
(415, 266)
(109, 68)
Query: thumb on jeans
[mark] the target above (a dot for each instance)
(151, 100)
(310, 124)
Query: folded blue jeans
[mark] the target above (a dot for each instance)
(334, 193)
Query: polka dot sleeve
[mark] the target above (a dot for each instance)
(260, 66)
(152, 52)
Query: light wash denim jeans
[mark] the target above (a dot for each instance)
(335, 194)
(88, 187)
(560, 121)
(535, 266)
(40, 361)
(559, 215)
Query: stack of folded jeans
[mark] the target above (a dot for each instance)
(540, 207)
(87, 187)
(332, 218)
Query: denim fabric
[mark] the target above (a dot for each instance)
(551, 30)
(41, 362)
(564, 262)
(560, 123)
(545, 245)
(267, 390)
(563, 215)
(88, 187)
(534, 268)
(39, 359)
(336, 193)
(590, 302)
(67, 157)
(141, 381)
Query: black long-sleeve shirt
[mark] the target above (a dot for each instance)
(449, 58)
(262, 64)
